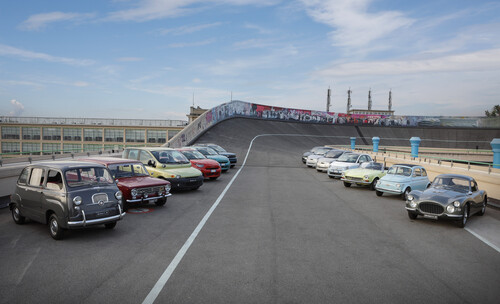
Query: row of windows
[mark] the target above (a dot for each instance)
(49, 148)
(75, 134)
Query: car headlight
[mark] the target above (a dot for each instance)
(168, 187)
(450, 209)
(133, 192)
(410, 197)
(456, 204)
(398, 186)
(77, 200)
(413, 204)
(118, 195)
(177, 176)
(366, 177)
(200, 165)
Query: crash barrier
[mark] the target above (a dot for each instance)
(238, 108)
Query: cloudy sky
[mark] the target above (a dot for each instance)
(147, 58)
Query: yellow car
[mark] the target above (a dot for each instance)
(366, 175)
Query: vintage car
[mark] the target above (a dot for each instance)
(209, 168)
(67, 195)
(345, 162)
(401, 179)
(450, 196)
(210, 153)
(312, 151)
(221, 151)
(324, 162)
(312, 158)
(134, 181)
(167, 164)
(366, 175)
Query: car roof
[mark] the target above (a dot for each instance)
(407, 165)
(456, 175)
(185, 149)
(109, 160)
(65, 164)
(150, 148)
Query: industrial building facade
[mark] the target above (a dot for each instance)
(46, 135)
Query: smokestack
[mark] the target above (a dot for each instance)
(348, 100)
(390, 100)
(370, 99)
(328, 100)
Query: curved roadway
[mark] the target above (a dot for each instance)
(281, 233)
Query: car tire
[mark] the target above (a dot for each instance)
(372, 185)
(161, 201)
(55, 229)
(483, 208)
(412, 215)
(110, 225)
(465, 216)
(346, 184)
(404, 196)
(16, 215)
(379, 193)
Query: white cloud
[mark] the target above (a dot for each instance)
(481, 60)
(18, 108)
(191, 44)
(253, 44)
(182, 30)
(6, 50)
(354, 25)
(129, 59)
(39, 21)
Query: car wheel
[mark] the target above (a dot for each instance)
(110, 225)
(379, 193)
(465, 217)
(483, 208)
(412, 215)
(55, 230)
(404, 196)
(346, 184)
(161, 201)
(372, 185)
(16, 215)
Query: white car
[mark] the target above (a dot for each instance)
(345, 162)
(324, 162)
(313, 158)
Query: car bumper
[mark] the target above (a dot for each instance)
(311, 164)
(211, 173)
(98, 221)
(386, 190)
(186, 182)
(430, 215)
(144, 199)
(355, 181)
(335, 173)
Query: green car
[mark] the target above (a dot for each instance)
(168, 164)
(366, 175)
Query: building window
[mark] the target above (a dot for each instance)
(113, 135)
(10, 132)
(92, 148)
(72, 134)
(92, 134)
(112, 147)
(72, 148)
(172, 133)
(50, 148)
(134, 136)
(51, 133)
(10, 147)
(31, 147)
(31, 133)
(157, 136)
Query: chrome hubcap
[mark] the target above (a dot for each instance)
(466, 214)
(53, 226)
(16, 214)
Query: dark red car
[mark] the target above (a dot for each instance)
(209, 168)
(134, 181)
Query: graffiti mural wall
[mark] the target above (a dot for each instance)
(253, 110)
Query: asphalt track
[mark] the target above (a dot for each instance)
(282, 233)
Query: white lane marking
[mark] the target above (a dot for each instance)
(21, 276)
(483, 239)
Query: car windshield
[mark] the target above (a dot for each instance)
(218, 148)
(322, 151)
(371, 166)
(194, 154)
(398, 170)
(348, 158)
(170, 157)
(333, 153)
(88, 176)
(128, 170)
(207, 151)
(453, 183)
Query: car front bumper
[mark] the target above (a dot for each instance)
(97, 221)
(186, 182)
(431, 215)
(355, 181)
(144, 199)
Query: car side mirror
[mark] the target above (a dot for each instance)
(152, 163)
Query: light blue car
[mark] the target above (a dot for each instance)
(401, 179)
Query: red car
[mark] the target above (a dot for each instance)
(209, 168)
(134, 181)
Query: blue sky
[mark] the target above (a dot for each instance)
(146, 59)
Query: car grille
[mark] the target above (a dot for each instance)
(354, 178)
(431, 208)
(96, 198)
(148, 190)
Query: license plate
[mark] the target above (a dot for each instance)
(213, 170)
(434, 217)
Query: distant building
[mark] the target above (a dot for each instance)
(371, 112)
(48, 135)
(195, 113)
